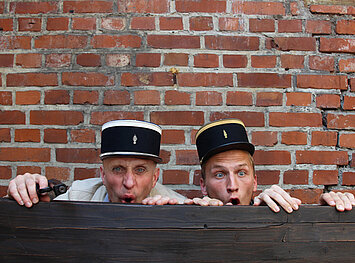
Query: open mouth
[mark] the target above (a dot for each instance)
(128, 200)
(234, 201)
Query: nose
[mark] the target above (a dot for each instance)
(128, 180)
(232, 185)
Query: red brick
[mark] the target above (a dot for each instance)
(328, 101)
(348, 178)
(55, 136)
(59, 173)
(232, 43)
(328, 9)
(186, 157)
(307, 196)
(175, 177)
(197, 176)
(5, 173)
(86, 97)
(230, 24)
(190, 193)
(28, 169)
(292, 61)
(349, 103)
(15, 42)
(148, 60)
(146, 79)
(263, 61)
(31, 79)
(324, 138)
(261, 25)
(120, 41)
(143, 23)
(88, 79)
(99, 117)
(296, 177)
(2, 6)
(165, 156)
(351, 10)
(193, 136)
(55, 97)
(5, 98)
(264, 99)
(208, 98)
(88, 7)
(298, 99)
(347, 65)
(339, 45)
(267, 177)
(170, 23)
(172, 41)
(235, 61)
(27, 135)
(60, 41)
(83, 136)
(352, 84)
(77, 155)
(56, 117)
(173, 137)
(322, 82)
(29, 60)
(143, 6)
(88, 60)
(336, 121)
(272, 157)
(264, 80)
(294, 138)
(33, 7)
(325, 177)
(118, 60)
(30, 97)
(321, 63)
(206, 61)
(177, 117)
(201, 23)
(205, 79)
(174, 97)
(239, 98)
(346, 27)
(290, 26)
(176, 59)
(57, 23)
(6, 24)
(319, 27)
(322, 157)
(58, 60)
(258, 8)
(295, 43)
(113, 23)
(6, 60)
(147, 97)
(25, 154)
(347, 140)
(250, 119)
(86, 173)
(294, 8)
(265, 138)
(5, 135)
(204, 6)
(116, 97)
(295, 119)
(12, 117)
(352, 164)
(84, 23)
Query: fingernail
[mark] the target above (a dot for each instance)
(289, 209)
(28, 204)
(21, 202)
(295, 207)
(277, 209)
(331, 203)
(34, 200)
(340, 207)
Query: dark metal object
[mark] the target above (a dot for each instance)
(55, 188)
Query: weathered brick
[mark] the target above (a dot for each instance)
(230, 24)
(15, 42)
(175, 177)
(88, 60)
(5, 173)
(27, 135)
(143, 6)
(349, 103)
(60, 41)
(25, 154)
(116, 97)
(12, 117)
(88, 6)
(88, 79)
(208, 98)
(165, 156)
(177, 117)
(307, 196)
(264, 99)
(328, 101)
(170, 23)
(294, 138)
(352, 84)
(173, 137)
(55, 97)
(77, 155)
(33, 7)
(201, 23)
(239, 98)
(347, 65)
(143, 23)
(348, 178)
(290, 26)
(146, 97)
(261, 25)
(206, 61)
(58, 60)
(29, 60)
(322, 157)
(339, 45)
(186, 157)
(263, 61)
(328, 9)
(325, 177)
(322, 82)
(267, 177)
(265, 138)
(346, 27)
(324, 138)
(86, 173)
(337, 121)
(172, 41)
(347, 140)
(5, 98)
(352, 164)
(258, 8)
(2, 6)
(298, 99)
(121, 41)
(57, 23)
(292, 61)
(273, 80)
(30, 97)
(83, 136)
(272, 157)
(296, 177)
(6, 60)
(295, 119)
(28, 169)
(295, 43)
(235, 61)
(55, 136)
(321, 63)
(250, 119)
(147, 79)
(148, 60)
(205, 79)
(6, 24)
(5, 135)
(232, 42)
(178, 59)
(319, 27)
(100, 117)
(204, 6)
(113, 23)
(118, 60)
(84, 23)
(31, 79)
(294, 8)
(56, 117)
(174, 97)
(59, 173)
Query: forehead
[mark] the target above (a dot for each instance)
(127, 161)
(229, 158)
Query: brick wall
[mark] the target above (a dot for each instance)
(286, 68)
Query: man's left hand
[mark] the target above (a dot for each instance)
(159, 200)
(341, 201)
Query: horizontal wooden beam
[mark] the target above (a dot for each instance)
(108, 232)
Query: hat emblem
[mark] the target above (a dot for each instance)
(225, 134)
(134, 139)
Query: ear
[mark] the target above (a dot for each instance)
(102, 174)
(155, 177)
(255, 184)
(203, 186)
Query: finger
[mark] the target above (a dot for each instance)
(154, 199)
(162, 201)
(41, 181)
(287, 200)
(215, 202)
(12, 192)
(145, 200)
(346, 201)
(173, 201)
(30, 183)
(298, 201)
(269, 202)
(22, 190)
(339, 204)
(188, 201)
(351, 197)
(326, 198)
(201, 202)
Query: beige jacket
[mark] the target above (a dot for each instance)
(93, 190)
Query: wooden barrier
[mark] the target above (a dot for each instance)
(105, 232)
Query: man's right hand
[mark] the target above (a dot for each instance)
(23, 189)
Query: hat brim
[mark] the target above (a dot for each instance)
(154, 158)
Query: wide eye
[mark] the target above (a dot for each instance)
(117, 169)
(219, 175)
(140, 170)
(242, 173)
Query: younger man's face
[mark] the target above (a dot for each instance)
(229, 177)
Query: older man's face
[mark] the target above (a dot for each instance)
(229, 177)
(128, 180)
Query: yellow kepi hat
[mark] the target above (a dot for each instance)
(220, 136)
(131, 138)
